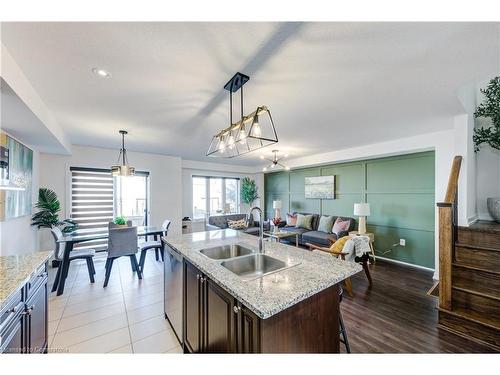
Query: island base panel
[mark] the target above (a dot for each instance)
(310, 326)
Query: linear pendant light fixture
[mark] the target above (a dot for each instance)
(250, 133)
(123, 169)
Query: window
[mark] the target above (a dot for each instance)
(97, 197)
(215, 195)
(92, 202)
(131, 198)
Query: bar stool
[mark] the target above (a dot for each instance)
(343, 332)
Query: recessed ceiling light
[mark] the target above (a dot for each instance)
(101, 72)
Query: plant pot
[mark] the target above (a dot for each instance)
(494, 208)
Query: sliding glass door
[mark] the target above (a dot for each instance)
(215, 195)
(131, 198)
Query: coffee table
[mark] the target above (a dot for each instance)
(278, 236)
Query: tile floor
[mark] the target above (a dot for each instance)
(125, 317)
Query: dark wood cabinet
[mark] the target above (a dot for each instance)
(209, 315)
(192, 325)
(36, 318)
(215, 322)
(12, 336)
(24, 320)
(219, 319)
(248, 330)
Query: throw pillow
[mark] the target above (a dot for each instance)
(304, 221)
(340, 226)
(338, 245)
(237, 224)
(325, 224)
(291, 220)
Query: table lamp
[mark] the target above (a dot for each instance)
(362, 210)
(277, 207)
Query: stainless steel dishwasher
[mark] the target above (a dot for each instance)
(173, 290)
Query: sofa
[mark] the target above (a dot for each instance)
(317, 237)
(216, 222)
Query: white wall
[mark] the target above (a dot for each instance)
(191, 168)
(488, 169)
(488, 179)
(17, 236)
(164, 171)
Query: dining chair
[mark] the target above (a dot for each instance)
(87, 254)
(157, 245)
(122, 242)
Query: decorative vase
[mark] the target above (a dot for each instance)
(494, 208)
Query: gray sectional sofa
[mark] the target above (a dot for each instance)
(220, 222)
(305, 235)
(317, 237)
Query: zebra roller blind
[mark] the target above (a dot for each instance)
(92, 202)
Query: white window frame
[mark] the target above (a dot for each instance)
(207, 193)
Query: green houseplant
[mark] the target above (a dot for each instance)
(490, 109)
(249, 191)
(120, 220)
(47, 215)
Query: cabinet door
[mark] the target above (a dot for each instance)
(37, 320)
(219, 319)
(12, 337)
(192, 308)
(248, 329)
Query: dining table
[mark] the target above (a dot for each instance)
(85, 235)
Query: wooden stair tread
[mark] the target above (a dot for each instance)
(476, 247)
(464, 314)
(484, 226)
(475, 268)
(482, 294)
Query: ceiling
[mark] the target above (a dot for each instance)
(329, 86)
(20, 122)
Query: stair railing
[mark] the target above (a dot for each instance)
(448, 221)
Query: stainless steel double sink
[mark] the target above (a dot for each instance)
(245, 262)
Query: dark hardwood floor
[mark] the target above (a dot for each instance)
(396, 315)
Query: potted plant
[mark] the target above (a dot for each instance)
(120, 221)
(249, 191)
(47, 216)
(490, 135)
(276, 223)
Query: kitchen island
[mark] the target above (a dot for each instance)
(222, 307)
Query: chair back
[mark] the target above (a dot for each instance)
(59, 248)
(165, 226)
(112, 225)
(122, 241)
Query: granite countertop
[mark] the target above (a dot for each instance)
(271, 294)
(16, 270)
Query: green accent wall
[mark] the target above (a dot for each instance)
(400, 191)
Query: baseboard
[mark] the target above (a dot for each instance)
(404, 263)
(472, 219)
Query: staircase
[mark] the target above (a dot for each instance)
(469, 280)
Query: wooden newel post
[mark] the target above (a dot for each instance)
(447, 223)
(445, 253)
